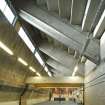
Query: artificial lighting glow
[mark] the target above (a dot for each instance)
(49, 74)
(75, 70)
(32, 69)
(2, 5)
(9, 14)
(25, 38)
(46, 69)
(5, 48)
(38, 57)
(22, 61)
(38, 74)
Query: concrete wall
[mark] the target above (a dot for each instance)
(95, 86)
(12, 73)
(29, 102)
(10, 95)
(10, 103)
(95, 81)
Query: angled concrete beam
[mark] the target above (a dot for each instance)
(89, 66)
(90, 12)
(59, 67)
(58, 55)
(100, 28)
(52, 31)
(58, 30)
(55, 81)
(64, 71)
(62, 61)
(94, 54)
(52, 26)
(81, 69)
(64, 8)
(54, 71)
(77, 11)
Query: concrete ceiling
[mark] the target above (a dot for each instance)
(74, 41)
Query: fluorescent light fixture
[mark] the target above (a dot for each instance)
(50, 75)
(22, 61)
(75, 70)
(2, 5)
(46, 69)
(38, 57)
(5, 48)
(9, 14)
(26, 39)
(38, 74)
(32, 69)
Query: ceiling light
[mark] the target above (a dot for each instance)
(38, 74)
(38, 57)
(32, 69)
(50, 75)
(46, 69)
(75, 70)
(5, 48)
(22, 61)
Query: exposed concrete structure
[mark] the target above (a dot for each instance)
(55, 81)
(52, 5)
(76, 15)
(91, 11)
(68, 36)
(64, 12)
(59, 55)
(60, 68)
(12, 73)
(100, 26)
(57, 44)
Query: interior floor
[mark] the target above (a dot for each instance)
(57, 103)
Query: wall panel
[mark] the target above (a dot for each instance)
(95, 86)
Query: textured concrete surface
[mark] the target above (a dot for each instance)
(57, 103)
(65, 34)
(43, 103)
(95, 81)
(95, 86)
(29, 101)
(37, 101)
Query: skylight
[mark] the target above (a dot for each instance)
(38, 57)
(50, 75)
(26, 39)
(46, 69)
(2, 5)
(9, 14)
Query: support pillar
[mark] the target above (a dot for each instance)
(23, 98)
